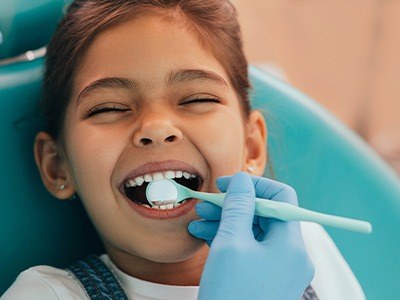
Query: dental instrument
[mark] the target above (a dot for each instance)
(167, 191)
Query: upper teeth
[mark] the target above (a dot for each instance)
(138, 181)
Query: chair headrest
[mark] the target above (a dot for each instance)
(27, 25)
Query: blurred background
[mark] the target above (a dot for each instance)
(344, 54)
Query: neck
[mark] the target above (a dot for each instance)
(182, 273)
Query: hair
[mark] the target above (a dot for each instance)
(214, 22)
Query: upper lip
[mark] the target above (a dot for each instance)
(161, 166)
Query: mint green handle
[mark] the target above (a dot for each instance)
(288, 212)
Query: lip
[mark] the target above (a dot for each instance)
(160, 166)
(156, 214)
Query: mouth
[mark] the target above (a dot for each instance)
(135, 188)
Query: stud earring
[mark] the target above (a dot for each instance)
(62, 187)
(73, 197)
(251, 169)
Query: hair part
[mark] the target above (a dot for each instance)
(214, 22)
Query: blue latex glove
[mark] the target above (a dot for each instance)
(251, 257)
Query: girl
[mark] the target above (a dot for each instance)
(136, 90)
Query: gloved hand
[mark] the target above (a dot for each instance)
(251, 257)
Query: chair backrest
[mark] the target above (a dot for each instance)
(27, 25)
(35, 228)
(334, 171)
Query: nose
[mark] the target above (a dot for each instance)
(157, 128)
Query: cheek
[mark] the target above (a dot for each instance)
(222, 143)
(92, 159)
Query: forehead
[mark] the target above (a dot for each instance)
(146, 48)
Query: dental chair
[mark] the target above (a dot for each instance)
(331, 168)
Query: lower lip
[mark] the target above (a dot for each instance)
(159, 214)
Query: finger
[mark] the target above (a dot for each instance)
(270, 189)
(223, 183)
(202, 229)
(238, 208)
(274, 190)
(277, 229)
(208, 211)
(265, 188)
(277, 191)
(258, 232)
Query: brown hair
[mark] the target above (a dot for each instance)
(213, 21)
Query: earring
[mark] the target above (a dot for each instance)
(73, 197)
(251, 169)
(63, 187)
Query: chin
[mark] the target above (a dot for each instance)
(177, 251)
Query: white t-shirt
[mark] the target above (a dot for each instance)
(333, 278)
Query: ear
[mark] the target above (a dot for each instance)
(52, 166)
(255, 157)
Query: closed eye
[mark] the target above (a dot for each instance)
(200, 101)
(105, 108)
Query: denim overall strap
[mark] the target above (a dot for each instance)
(309, 294)
(97, 279)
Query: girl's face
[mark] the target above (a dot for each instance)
(149, 99)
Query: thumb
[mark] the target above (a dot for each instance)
(238, 208)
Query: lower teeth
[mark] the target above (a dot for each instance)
(166, 206)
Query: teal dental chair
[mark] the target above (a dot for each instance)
(332, 170)
(26, 25)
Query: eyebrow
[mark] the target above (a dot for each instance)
(107, 82)
(186, 75)
(174, 77)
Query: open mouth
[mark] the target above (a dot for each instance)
(135, 188)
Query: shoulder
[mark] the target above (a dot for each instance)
(333, 278)
(45, 283)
